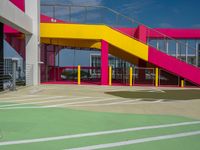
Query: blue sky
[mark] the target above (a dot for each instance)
(154, 13)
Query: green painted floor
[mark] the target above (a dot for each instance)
(23, 124)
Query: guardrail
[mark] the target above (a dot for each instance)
(104, 15)
(12, 76)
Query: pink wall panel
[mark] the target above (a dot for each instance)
(177, 33)
(174, 65)
(127, 31)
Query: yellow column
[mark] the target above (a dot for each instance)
(79, 74)
(110, 75)
(182, 83)
(156, 77)
(131, 76)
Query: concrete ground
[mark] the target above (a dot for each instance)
(59, 117)
(101, 99)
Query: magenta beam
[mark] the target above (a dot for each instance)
(104, 63)
(174, 65)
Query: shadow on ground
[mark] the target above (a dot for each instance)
(152, 95)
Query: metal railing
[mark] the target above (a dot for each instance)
(105, 15)
(6, 76)
(12, 76)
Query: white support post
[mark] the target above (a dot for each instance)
(177, 45)
(167, 46)
(14, 65)
(197, 54)
(186, 52)
(32, 9)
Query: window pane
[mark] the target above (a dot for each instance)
(192, 47)
(162, 45)
(172, 47)
(182, 50)
(152, 42)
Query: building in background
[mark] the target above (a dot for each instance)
(158, 56)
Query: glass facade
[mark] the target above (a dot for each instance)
(184, 49)
(95, 61)
(198, 54)
(120, 68)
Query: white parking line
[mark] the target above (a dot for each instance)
(41, 102)
(136, 141)
(82, 102)
(24, 107)
(112, 103)
(79, 103)
(96, 133)
(146, 102)
(122, 103)
(35, 98)
(8, 107)
(17, 97)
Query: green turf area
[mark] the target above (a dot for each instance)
(5, 103)
(22, 124)
(188, 143)
(167, 94)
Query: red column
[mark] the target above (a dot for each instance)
(104, 63)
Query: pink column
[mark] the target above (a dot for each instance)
(142, 37)
(104, 63)
(142, 33)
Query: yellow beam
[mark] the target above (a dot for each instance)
(131, 77)
(156, 77)
(73, 43)
(110, 75)
(79, 74)
(95, 32)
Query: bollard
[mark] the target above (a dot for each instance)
(156, 77)
(110, 75)
(182, 83)
(79, 74)
(131, 77)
